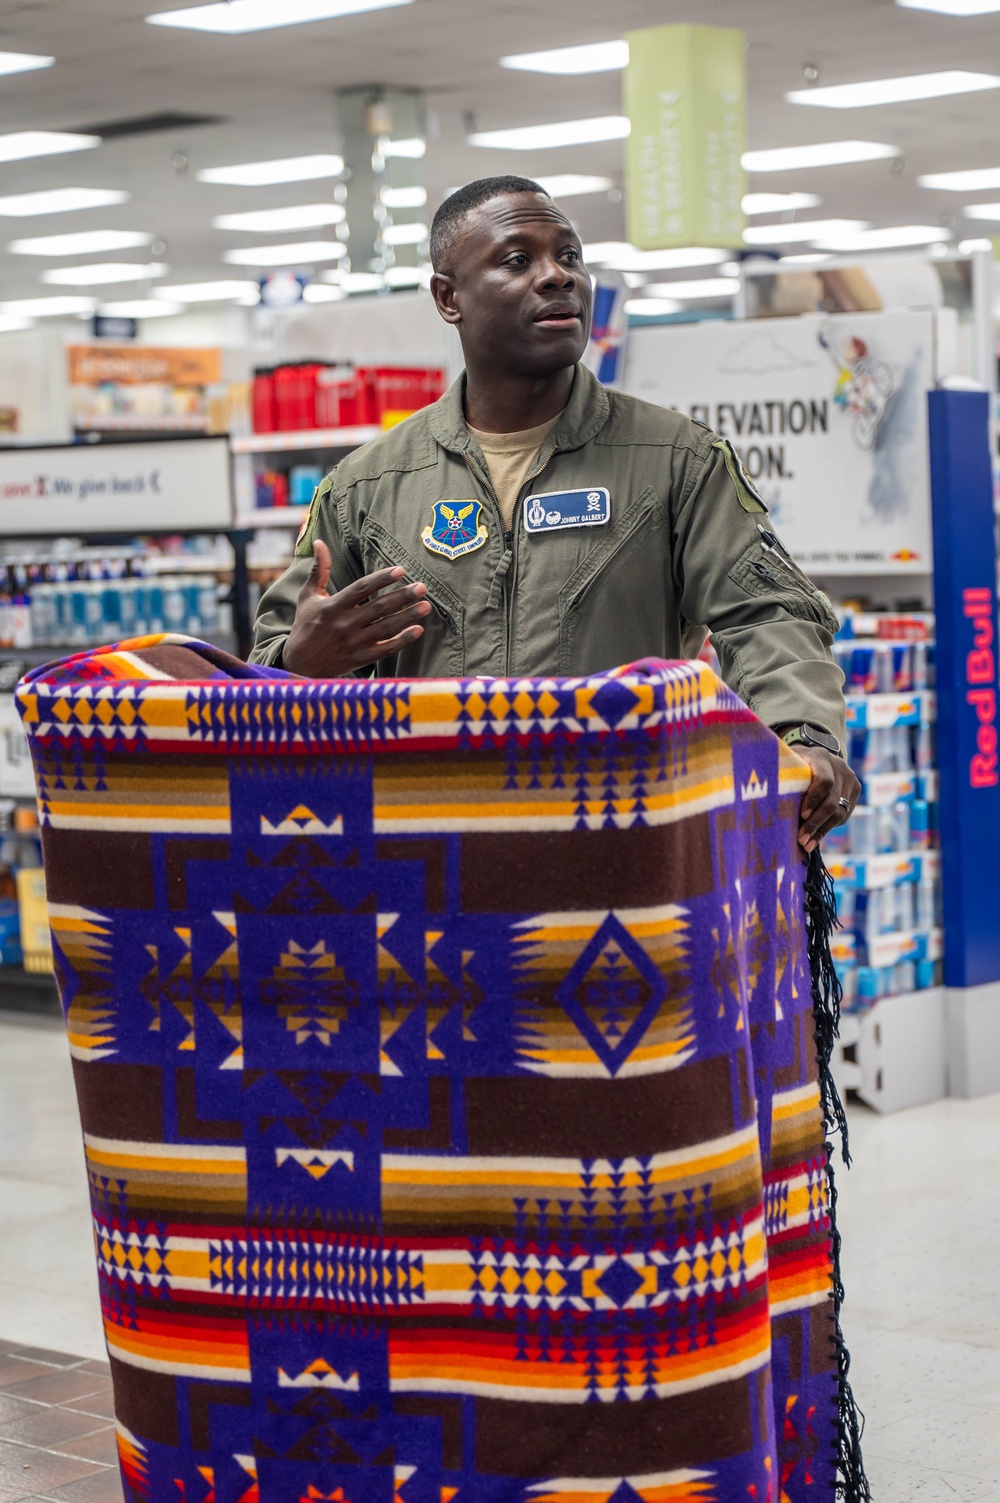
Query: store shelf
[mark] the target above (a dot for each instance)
(878, 711)
(28, 991)
(273, 516)
(136, 423)
(309, 438)
(885, 870)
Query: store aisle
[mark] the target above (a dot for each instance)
(919, 1212)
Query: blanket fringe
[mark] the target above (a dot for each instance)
(821, 920)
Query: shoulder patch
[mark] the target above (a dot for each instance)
(304, 541)
(749, 498)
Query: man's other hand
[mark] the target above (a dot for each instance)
(821, 809)
(334, 634)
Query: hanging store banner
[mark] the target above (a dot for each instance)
(685, 95)
(182, 484)
(829, 416)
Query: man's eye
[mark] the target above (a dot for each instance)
(518, 259)
(573, 255)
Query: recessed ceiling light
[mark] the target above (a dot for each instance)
(973, 180)
(302, 253)
(362, 281)
(101, 272)
(48, 307)
(982, 211)
(11, 325)
(403, 198)
(404, 276)
(559, 133)
(855, 96)
(779, 203)
(592, 57)
(59, 201)
(953, 7)
(824, 154)
(405, 234)
(620, 256)
(23, 62)
(807, 229)
(86, 242)
(705, 287)
(407, 146)
(646, 307)
(891, 238)
(281, 170)
(22, 144)
(967, 247)
(574, 184)
(140, 307)
(322, 292)
(210, 292)
(238, 16)
(300, 217)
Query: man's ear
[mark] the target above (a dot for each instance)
(443, 293)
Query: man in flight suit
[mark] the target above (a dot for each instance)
(532, 523)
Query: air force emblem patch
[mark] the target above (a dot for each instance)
(455, 529)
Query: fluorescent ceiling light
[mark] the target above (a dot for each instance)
(362, 281)
(101, 272)
(48, 307)
(59, 201)
(405, 234)
(973, 181)
(404, 276)
(281, 170)
(807, 229)
(953, 7)
(648, 306)
(85, 242)
(623, 257)
(824, 154)
(322, 292)
(140, 307)
(706, 287)
(592, 57)
(404, 198)
(892, 238)
(982, 211)
(22, 144)
(779, 203)
(968, 246)
(11, 325)
(413, 147)
(301, 253)
(239, 16)
(300, 217)
(804, 258)
(23, 62)
(574, 184)
(210, 292)
(855, 96)
(560, 133)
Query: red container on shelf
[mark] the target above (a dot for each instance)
(286, 389)
(262, 401)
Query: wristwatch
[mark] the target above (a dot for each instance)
(811, 735)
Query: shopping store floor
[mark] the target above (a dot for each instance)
(920, 1214)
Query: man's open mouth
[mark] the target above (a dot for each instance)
(558, 318)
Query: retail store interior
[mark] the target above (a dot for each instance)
(215, 287)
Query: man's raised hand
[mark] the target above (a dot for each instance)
(334, 634)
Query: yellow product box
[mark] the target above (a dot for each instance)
(34, 915)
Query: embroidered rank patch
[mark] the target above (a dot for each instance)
(549, 512)
(455, 529)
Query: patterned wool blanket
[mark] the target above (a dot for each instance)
(447, 1063)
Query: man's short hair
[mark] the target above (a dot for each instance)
(449, 216)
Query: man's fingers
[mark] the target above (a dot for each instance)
(319, 575)
(361, 589)
(391, 603)
(395, 644)
(819, 790)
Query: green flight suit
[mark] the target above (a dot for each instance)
(687, 546)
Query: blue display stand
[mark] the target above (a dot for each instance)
(965, 605)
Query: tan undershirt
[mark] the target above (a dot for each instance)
(509, 457)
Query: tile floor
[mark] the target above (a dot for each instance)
(920, 1214)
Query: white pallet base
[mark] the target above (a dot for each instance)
(899, 1049)
(973, 1039)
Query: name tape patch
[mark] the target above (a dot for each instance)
(555, 509)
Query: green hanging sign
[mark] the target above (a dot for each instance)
(685, 94)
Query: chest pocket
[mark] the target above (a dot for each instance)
(611, 607)
(441, 649)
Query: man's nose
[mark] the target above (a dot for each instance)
(552, 273)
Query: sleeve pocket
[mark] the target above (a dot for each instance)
(767, 574)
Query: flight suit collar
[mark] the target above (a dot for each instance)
(581, 420)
